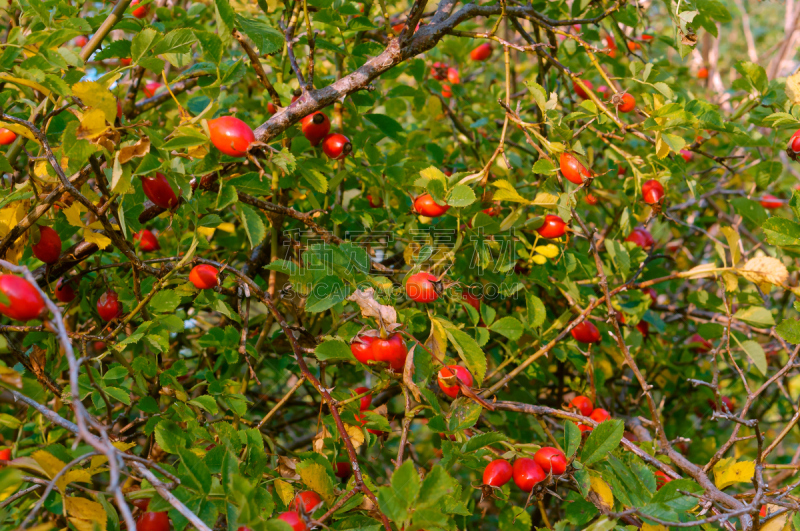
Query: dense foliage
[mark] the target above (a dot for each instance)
(389, 265)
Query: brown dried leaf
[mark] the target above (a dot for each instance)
(139, 149)
(372, 308)
(765, 270)
(408, 375)
(287, 467)
(319, 440)
(10, 377)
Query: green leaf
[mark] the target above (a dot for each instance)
(165, 301)
(386, 125)
(183, 142)
(120, 395)
(754, 73)
(197, 475)
(509, 327)
(470, 352)
(539, 96)
(782, 232)
(405, 483)
(756, 355)
(333, 350)
(266, 39)
(543, 167)
(506, 192)
(461, 195)
(755, 316)
(604, 438)
(536, 312)
(170, 436)
(750, 210)
(205, 402)
(464, 413)
(176, 41)
(253, 226)
(142, 43)
(482, 440)
(326, 293)
(572, 438)
(789, 329)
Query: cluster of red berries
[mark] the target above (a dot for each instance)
(526, 472)
(316, 128)
(586, 408)
(623, 101)
(372, 348)
(442, 71)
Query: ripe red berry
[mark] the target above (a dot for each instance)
(365, 400)
(604, 91)
(81, 40)
(158, 190)
(315, 127)
(363, 420)
(141, 503)
(600, 415)
(794, 142)
(141, 11)
(151, 88)
(421, 287)
(65, 290)
(591, 199)
(48, 247)
(24, 301)
(151, 521)
(294, 520)
(610, 44)
(453, 76)
(687, 155)
(271, 108)
(641, 237)
(231, 135)
(699, 344)
(702, 73)
(446, 376)
(447, 92)
(108, 305)
(586, 332)
(551, 459)
(308, 500)
(336, 146)
(482, 52)
(391, 350)
(583, 404)
(771, 202)
(661, 479)
(361, 347)
(6, 136)
(582, 94)
(527, 473)
(374, 202)
(125, 61)
(633, 46)
(572, 169)
(147, 241)
(627, 103)
(497, 473)
(426, 206)
(204, 276)
(471, 299)
(652, 192)
(726, 401)
(343, 469)
(553, 227)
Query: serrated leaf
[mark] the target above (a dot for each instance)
(197, 473)
(470, 352)
(265, 38)
(536, 311)
(253, 226)
(728, 471)
(506, 192)
(461, 196)
(603, 438)
(205, 402)
(316, 477)
(142, 43)
(572, 438)
(333, 350)
(482, 440)
(509, 327)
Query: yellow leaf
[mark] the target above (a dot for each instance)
(539, 259)
(101, 240)
(284, 490)
(93, 124)
(732, 235)
(86, 509)
(96, 95)
(727, 472)
(317, 479)
(230, 228)
(437, 340)
(778, 522)
(765, 270)
(507, 192)
(603, 491)
(42, 170)
(123, 446)
(545, 200)
(51, 464)
(80, 475)
(549, 250)
(206, 231)
(5, 78)
(662, 149)
(793, 87)
(652, 527)
(73, 214)
(356, 435)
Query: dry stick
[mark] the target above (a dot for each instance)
(257, 67)
(281, 402)
(337, 505)
(332, 405)
(156, 100)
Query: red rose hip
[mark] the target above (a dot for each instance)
(366, 400)
(147, 241)
(336, 146)
(426, 206)
(771, 202)
(447, 379)
(308, 500)
(48, 247)
(586, 332)
(497, 473)
(553, 227)
(572, 169)
(24, 301)
(361, 347)
(204, 276)
(527, 473)
(153, 521)
(582, 94)
(551, 460)
(158, 190)
(108, 305)
(627, 103)
(391, 350)
(65, 290)
(641, 237)
(6, 136)
(652, 192)
(583, 404)
(315, 127)
(140, 12)
(294, 520)
(481, 53)
(230, 135)
(422, 287)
